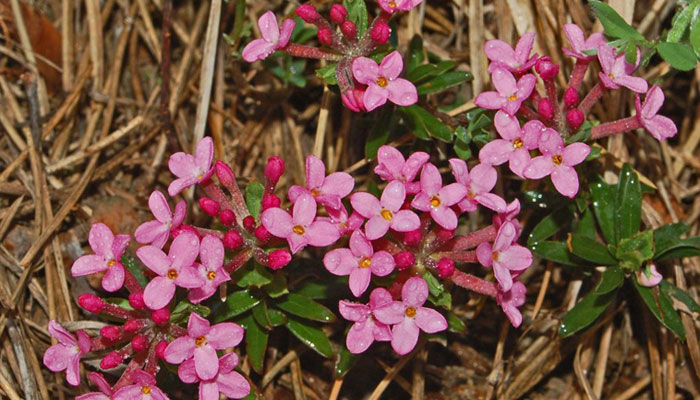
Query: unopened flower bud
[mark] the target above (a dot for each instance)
(278, 259)
(184, 228)
(571, 98)
(110, 333)
(224, 173)
(444, 235)
(270, 201)
(545, 109)
(133, 325)
(325, 36)
(381, 32)
(404, 260)
(139, 343)
(249, 223)
(412, 238)
(338, 14)
(209, 206)
(227, 217)
(161, 317)
(111, 360)
(262, 234)
(353, 99)
(274, 170)
(445, 267)
(233, 240)
(546, 68)
(575, 118)
(91, 303)
(136, 301)
(308, 13)
(160, 349)
(349, 29)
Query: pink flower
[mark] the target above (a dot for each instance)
(579, 44)
(344, 222)
(512, 211)
(503, 56)
(272, 38)
(509, 94)
(227, 381)
(98, 380)
(360, 262)
(558, 161)
(190, 169)
(616, 71)
(504, 256)
(327, 190)
(175, 269)
(478, 183)
(391, 6)
(436, 199)
(409, 317)
(157, 232)
(107, 258)
(649, 276)
(144, 389)
(301, 228)
(66, 354)
(511, 300)
(659, 126)
(514, 147)
(383, 82)
(211, 254)
(392, 166)
(385, 213)
(366, 328)
(201, 342)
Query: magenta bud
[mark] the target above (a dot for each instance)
(338, 14)
(445, 267)
(412, 238)
(404, 260)
(227, 217)
(209, 206)
(136, 301)
(444, 235)
(139, 343)
(262, 234)
(381, 32)
(274, 170)
(545, 109)
(249, 223)
(184, 228)
(161, 317)
(160, 349)
(308, 13)
(325, 36)
(571, 98)
(270, 201)
(132, 325)
(353, 99)
(224, 173)
(349, 29)
(575, 118)
(546, 68)
(110, 333)
(111, 360)
(233, 240)
(91, 303)
(278, 259)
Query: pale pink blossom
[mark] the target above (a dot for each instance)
(511, 300)
(514, 146)
(272, 37)
(509, 94)
(505, 256)
(391, 165)
(516, 60)
(227, 381)
(301, 228)
(392, 6)
(108, 250)
(579, 44)
(383, 81)
(191, 169)
(559, 161)
(438, 200)
(98, 380)
(659, 126)
(157, 232)
(616, 71)
(366, 328)
(65, 355)
(201, 343)
(359, 262)
(409, 317)
(144, 388)
(479, 182)
(211, 255)
(327, 190)
(385, 213)
(649, 276)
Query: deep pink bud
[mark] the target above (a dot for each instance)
(184, 228)
(233, 240)
(575, 118)
(571, 98)
(224, 173)
(381, 32)
(308, 13)
(412, 238)
(249, 223)
(404, 260)
(546, 68)
(325, 36)
(270, 201)
(161, 317)
(338, 13)
(444, 235)
(545, 108)
(274, 170)
(209, 206)
(227, 217)
(110, 333)
(278, 259)
(139, 343)
(353, 99)
(136, 301)
(445, 267)
(160, 349)
(262, 234)
(133, 325)
(111, 360)
(349, 29)
(91, 303)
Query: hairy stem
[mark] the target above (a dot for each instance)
(611, 128)
(591, 98)
(473, 283)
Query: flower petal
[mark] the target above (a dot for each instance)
(360, 246)
(360, 336)
(340, 262)
(359, 280)
(184, 250)
(382, 263)
(159, 206)
(158, 292)
(391, 66)
(182, 165)
(484, 253)
(393, 196)
(154, 232)
(186, 371)
(413, 164)
(661, 127)
(365, 204)
(88, 264)
(524, 47)
(304, 210)
(258, 49)
(233, 385)
(353, 311)
(225, 335)
(452, 193)
(269, 29)
(490, 100)
(575, 153)
(483, 178)
(189, 278)
(498, 50)
(402, 92)
(519, 159)
(338, 183)
(322, 234)
(365, 70)
(414, 292)
(154, 258)
(375, 96)
(404, 336)
(390, 313)
(113, 279)
(404, 221)
(539, 167)
(315, 172)
(277, 221)
(516, 258)
(444, 216)
(504, 82)
(101, 239)
(429, 320)
(57, 357)
(288, 26)
(206, 362)
(204, 154)
(211, 252)
(565, 180)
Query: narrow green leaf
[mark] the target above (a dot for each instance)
(253, 197)
(455, 324)
(680, 295)
(550, 225)
(327, 74)
(357, 13)
(276, 317)
(330, 286)
(631, 52)
(136, 268)
(444, 81)
(344, 361)
(679, 55)
(668, 236)
(688, 247)
(634, 251)
(694, 37)
(311, 336)
(379, 134)
(586, 225)
(585, 312)
(463, 150)
(426, 125)
(278, 286)
(255, 342)
(304, 307)
(261, 317)
(679, 25)
(252, 274)
(438, 295)
(611, 279)
(660, 304)
(236, 304)
(557, 252)
(415, 53)
(629, 203)
(613, 23)
(184, 308)
(422, 72)
(604, 209)
(591, 250)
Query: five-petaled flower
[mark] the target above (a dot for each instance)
(383, 81)
(438, 200)
(108, 250)
(191, 169)
(516, 60)
(509, 94)
(514, 147)
(579, 44)
(366, 328)
(392, 6)
(385, 213)
(227, 381)
(616, 71)
(504, 256)
(479, 183)
(272, 37)
(211, 255)
(65, 355)
(659, 126)
(511, 300)
(144, 388)
(157, 232)
(98, 380)
(391, 165)
(327, 190)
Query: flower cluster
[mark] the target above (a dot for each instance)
(550, 121)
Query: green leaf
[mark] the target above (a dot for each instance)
(278, 286)
(628, 203)
(680, 23)
(344, 361)
(311, 336)
(357, 13)
(422, 72)
(611, 279)
(613, 23)
(255, 342)
(688, 247)
(585, 312)
(327, 74)
(557, 252)
(679, 55)
(136, 268)
(660, 304)
(694, 37)
(550, 225)
(253, 197)
(304, 307)
(183, 310)
(455, 324)
(631, 52)
(438, 295)
(236, 304)
(582, 134)
(261, 316)
(330, 286)
(415, 53)
(444, 81)
(426, 125)
(586, 225)
(604, 209)
(668, 236)
(591, 250)
(633, 252)
(462, 150)
(379, 134)
(680, 295)
(252, 274)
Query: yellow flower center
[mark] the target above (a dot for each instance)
(365, 262)
(494, 256)
(201, 176)
(513, 97)
(145, 390)
(435, 201)
(211, 275)
(470, 194)
(111, 263)
(299, 230)
(387, 215)
(172, 274)
(611, 76)
(411, 312)
(315, 192)
(392, 4)
(382, 81)
(517, 143)
(200, 341)
(557, 159)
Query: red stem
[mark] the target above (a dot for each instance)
(591, 98)
(473, 239)
(299, 50)
(611, 128)
(578, 73)
(473, 283)
(457, 256)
